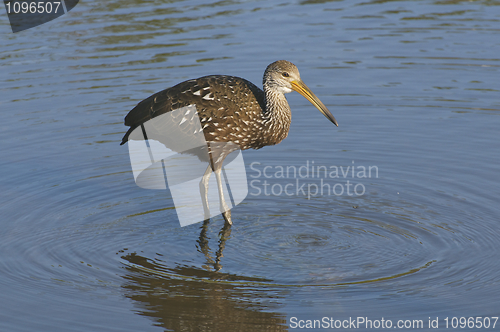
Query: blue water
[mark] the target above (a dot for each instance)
(414, 86)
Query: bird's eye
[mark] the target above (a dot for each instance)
(285, 74)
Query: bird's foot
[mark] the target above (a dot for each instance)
(227, 217)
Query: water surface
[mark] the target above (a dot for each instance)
(414, 87)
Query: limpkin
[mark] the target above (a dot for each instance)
(232, 111)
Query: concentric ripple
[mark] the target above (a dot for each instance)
(337, 248)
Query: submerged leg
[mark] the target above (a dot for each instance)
(204, 191)
(226, 212)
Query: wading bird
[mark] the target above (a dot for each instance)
(233, 113)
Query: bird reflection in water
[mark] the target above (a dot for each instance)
(184, 298)
(203, 247)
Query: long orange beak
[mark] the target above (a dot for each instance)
(304, 90)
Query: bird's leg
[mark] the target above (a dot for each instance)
(204, 191)
(226, 212)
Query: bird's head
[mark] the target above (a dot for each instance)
(283, 76)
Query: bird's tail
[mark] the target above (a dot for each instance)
(125, 137)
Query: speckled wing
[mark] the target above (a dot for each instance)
(222, 102)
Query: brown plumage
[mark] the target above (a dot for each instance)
(230, 110)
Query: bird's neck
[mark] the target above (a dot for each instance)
(277, 117)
